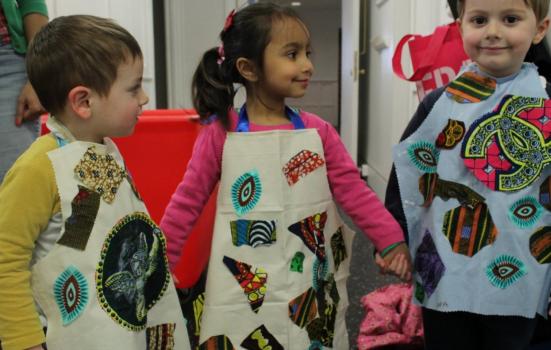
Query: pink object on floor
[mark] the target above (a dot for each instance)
(391, 318)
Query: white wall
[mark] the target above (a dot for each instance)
(136, 16)
(392, 101)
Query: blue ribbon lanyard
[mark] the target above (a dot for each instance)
(243, 122)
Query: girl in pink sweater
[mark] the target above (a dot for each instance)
(280, 252)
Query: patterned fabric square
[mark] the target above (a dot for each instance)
(246, 192)
(338, 248)
(451, 135)
(304, 308)
(132, 274)
(301, 165)
(79, 225)
(219, 342)
(253, 233)
(310, 230)
(322, 329)
(430, 185)
(471, 87)
(505, 270)
(540, 245)
(297, 262)
(469, 230)
(253, 283)
(508, 148)
(101, 173)
(192, 302)
(160, 337)
(261, 339)
(71, 294)
(428, 264)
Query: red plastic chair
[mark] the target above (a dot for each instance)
(156, 155)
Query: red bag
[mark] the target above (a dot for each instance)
(436, 58)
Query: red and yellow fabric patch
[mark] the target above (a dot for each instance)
(253, 283)
(310, 230)
(301, 165)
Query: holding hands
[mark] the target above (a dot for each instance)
(396, 262)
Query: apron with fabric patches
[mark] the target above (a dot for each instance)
(105, 284)
(280, 253)
(474, 182)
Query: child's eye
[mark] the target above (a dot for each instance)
(292, 55)
(478, 20)
(308, 53)
(511, 19)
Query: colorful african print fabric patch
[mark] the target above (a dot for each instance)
(192, 302)
(315, 345)
(101, 173)
(253, 233)
(540, 245)
(545, 193)
(261, 339)
(338, 248)
(451, 135)
(504, 271)
(246, 192)
(301, 165)
(471, 87)
(525, 212)
(310, 230)
(79, 225)
(71, 294)
(253, 283)
(508, 149)
(424, 156)
(304, 308)
(322, 328)
(469, 230)
(430, 186)
(320, 268)
(428, 264)
(219, 342)
(160, 337)
(297, 262)
(132, 274)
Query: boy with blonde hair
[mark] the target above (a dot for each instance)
(78, 249)
(471, 186)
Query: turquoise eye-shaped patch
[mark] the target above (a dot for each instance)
(424, 155)
(245, 192)
(504, 271)
(525, 212)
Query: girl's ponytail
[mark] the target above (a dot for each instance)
(212, 91)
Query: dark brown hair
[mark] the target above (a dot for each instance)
(77, 50)
(247, 37)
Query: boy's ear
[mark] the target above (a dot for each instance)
(247, 69)
(542, 28)
(79, 101)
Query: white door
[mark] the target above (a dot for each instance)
(349, 75)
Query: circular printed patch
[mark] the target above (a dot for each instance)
(525, 212)
(320, 269)
(540, 245)
(71, 294)
(504, 271)
(245, 192)
(424, 155)
(133, 272)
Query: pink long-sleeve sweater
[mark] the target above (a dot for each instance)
(203, 173)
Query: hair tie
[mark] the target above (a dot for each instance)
(229, 21)
(221, 54)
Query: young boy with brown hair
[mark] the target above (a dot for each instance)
(78, 249)
(471, 186)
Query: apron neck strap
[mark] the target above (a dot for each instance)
(243, 121)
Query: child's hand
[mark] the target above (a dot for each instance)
(398, 262)
(380, 262)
